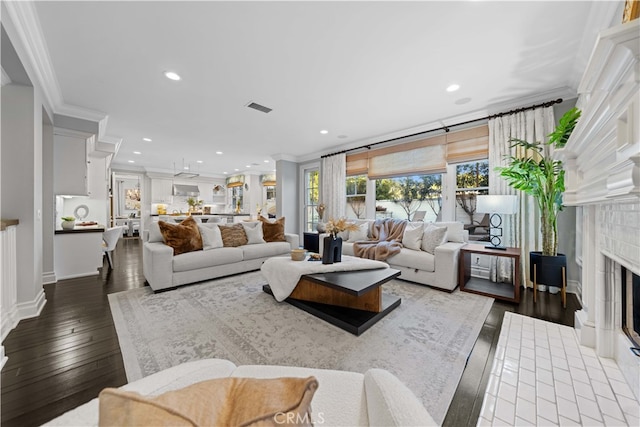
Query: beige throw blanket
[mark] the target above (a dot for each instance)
(386, 240)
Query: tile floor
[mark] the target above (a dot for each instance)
(542, 376)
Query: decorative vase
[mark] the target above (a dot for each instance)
(68, 225)
(321, 227)
(332, 250)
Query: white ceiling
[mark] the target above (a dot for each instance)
(367, 70)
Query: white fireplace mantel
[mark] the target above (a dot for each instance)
(602, 163)
(603, 153)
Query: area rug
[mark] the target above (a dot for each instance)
(425, 341)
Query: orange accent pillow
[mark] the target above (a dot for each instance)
(229, 401)
(273, 231)
(233, 235)
(182, 237)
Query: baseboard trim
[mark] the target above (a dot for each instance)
(10, 319)
(27, 310)
(3, 358)
(75, 276)
(49, 277)
(573, 287)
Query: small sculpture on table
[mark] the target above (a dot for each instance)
(332, 249)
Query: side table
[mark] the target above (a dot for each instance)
(503, 291)
(311, 242)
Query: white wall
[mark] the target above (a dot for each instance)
(48, 201)
(22, 189)
(287, 195)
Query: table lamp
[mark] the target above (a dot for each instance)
(495, 205)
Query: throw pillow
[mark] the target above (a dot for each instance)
(221, 401)
(182, 237)
(211, 236)
(362, 233)
(433, 237)
(253, 230)
(155, 235)
(455, 231)
(233, 235)
(273, 231)
(412, 236)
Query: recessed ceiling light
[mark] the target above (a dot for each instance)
(198, 161)
(266, 161)
(186, 168)
(225, 173)
(132, 161)
(247, 166)
(171, 75)
(236, 170)
(324, 131)
(462, 101)
(453, 88)
(218, 152)
(146, 139)
(137, 152)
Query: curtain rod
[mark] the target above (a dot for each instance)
(447, 128)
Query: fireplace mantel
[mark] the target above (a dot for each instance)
(603, 154)
(602, 163)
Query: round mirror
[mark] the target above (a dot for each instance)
(81, 212)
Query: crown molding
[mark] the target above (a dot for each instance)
(26, 23)
(524, 101)
(27, 26)
(602, 16)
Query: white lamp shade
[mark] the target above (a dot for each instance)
(494, 203)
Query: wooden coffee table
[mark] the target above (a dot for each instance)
(351, 300)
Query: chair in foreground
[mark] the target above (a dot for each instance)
(110, 238)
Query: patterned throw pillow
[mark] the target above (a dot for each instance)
(233, 235)
(273, 231)
(433, 237)
(182, 237)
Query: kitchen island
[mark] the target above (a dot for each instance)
(77, 252)
(229, 217)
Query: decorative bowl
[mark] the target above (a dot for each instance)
(298, 254)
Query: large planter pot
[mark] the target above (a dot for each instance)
(332, 251)
(549, 271)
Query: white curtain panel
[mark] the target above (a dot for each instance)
(334, 192)
(522, 229)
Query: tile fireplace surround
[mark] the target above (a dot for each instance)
(603, 178)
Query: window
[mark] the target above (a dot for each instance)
(402, 197)
(236, 197)
(356, 195)
(472, 179)
(311, 217)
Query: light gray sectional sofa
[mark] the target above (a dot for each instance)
(163, 270)
(439, 269)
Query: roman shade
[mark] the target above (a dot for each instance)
(235, 181)
(422, 157)
(468, 145)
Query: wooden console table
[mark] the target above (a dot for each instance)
(503, 291)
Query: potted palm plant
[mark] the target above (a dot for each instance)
(538, 174)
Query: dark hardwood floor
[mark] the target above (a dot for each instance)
(65, 356)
